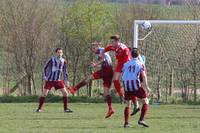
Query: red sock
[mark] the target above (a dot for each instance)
(109, 101)
(143, 111)
(118, 87)
(80, 84)
(134, 100)
(65, 102)
(41, 102)
(126, 114)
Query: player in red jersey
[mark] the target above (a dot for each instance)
(52, 77)
(132, 70)
(105, 73)
(122, 53)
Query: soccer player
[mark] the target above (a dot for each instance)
(123, 55)
(133, 87)
(141, 58)
(53, 71)
(105, 73)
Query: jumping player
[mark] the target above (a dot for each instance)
(105, 73)
(133, 87)
(122, 54)
(52, 77)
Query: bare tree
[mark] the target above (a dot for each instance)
(194, 8)
(24, 26)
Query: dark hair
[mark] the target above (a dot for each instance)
(134, 52)
(58, 49)
(115, 37)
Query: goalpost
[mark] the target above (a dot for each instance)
(172, 51)
(154, 22)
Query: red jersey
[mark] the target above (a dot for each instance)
(122, 52)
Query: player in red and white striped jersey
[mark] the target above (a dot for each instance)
(52, 73)
(105, 73)
(134, 87)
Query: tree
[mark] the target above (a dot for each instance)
(25, 28)
(83, 22)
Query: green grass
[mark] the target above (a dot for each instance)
(89, 118)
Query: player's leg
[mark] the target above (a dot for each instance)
(136, 108)
(60, 85)
(127, 113)
(136, 105)
(144, 109)
(118, 88)
(145, 101)
(95, 75)
(65, 101)
(127, 98)
(108, 99)
(45, 91)
(116, 81)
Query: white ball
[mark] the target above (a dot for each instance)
(146, 25)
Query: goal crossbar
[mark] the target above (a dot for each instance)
(137, 22)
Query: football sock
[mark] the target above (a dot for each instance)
(126, 114)
(109, 101)
(41, 102)
(65, 102)
(143, 111)
(80, 84)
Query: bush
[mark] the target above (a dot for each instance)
(53, 98)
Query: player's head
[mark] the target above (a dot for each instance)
(95, 46)
(59, 52)
(140, 51)
(115, 40)
(134, 52)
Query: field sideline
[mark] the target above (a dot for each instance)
(89, 118)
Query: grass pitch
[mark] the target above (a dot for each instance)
(89, 118)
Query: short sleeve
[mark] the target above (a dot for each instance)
(109, 48)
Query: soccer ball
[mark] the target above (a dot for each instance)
(146, 25)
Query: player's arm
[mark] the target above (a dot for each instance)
(44, 74)
(44, 69)
(126, 55)
(144, 59)
(108, 48)
(65, 73)
(145, 83)
(101, 58)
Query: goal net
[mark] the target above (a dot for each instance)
(172, 52)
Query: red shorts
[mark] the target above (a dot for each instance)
(56, 84)
(141, 93)
(119, 67)
(106, 74)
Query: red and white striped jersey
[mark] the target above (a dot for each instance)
(55, 69)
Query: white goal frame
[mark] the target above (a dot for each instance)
(138, 22)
